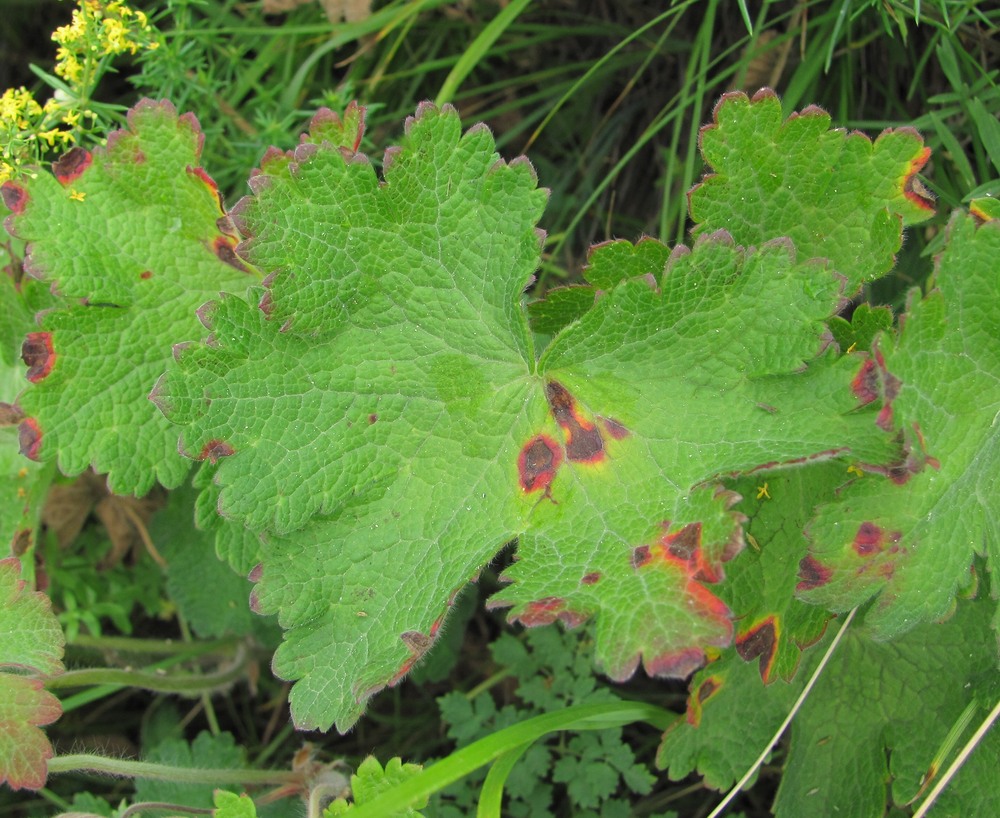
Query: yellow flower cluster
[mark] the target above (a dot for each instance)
(27, 128)
(99, 29)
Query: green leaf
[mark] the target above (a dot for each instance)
(31, 642)
(30, 637)
(865, 735)
(23, 484)
(24, 749)
(383, 419)
(231, 805)
(772, 626)
(836, 195)
(910, 540)
(209, 594)
(207, 751)
(731, 715)
(879, 713)
(129, 235)
(865, 324)
(371, 780)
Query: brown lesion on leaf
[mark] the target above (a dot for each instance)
(547, 610)
(537, 463)
(21, 542)
(584, 443)
(225, 251)
(215, 450)
(418, 643)
(872, 539)
(705, 691)
(591, 579)
(38, 355)
(201, 174)
(677, 664)
(14, 197)
(71, 165)
(29, 435)
(812, 574)
(614, 428)
(913, 188)
(761, 640)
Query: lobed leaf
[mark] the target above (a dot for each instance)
(836, 195)
(31, 642)
(772, 626)
(867, 733)
(910, 540)
(130, 235)
(381, 416)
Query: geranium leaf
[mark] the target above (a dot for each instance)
(381, 415)
(130, 236)
(836, 195)
(910, 540)
(772, 626)
(31, 642)
(866, 734)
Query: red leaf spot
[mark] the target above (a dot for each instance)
(226, 253)
(372, 418)
(215, 450)
(865, 383)
(436, 626)
(761, 640)
(615, 429)
(38, 355)
(537, 463)
(584, 443)
(676, 664)
(913, 188)
(145, 275)
(812, 574)
(14, 196)
(209, 182)
(641, 556)
(71, 165)
(266, 304)
(29, 435)
(708, 688)
(591, 578)
(547, 610)
(869, 539)
(684, 544)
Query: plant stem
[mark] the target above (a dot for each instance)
(177, 683)
(123, 768)
(128, 644)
